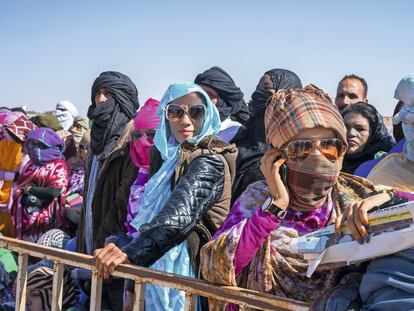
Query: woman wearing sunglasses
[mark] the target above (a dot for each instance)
(38, 203)
(250, 250)
(185, 200)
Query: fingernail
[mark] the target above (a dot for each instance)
(367, 238)
(361, 241)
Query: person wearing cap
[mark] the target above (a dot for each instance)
(303, 191)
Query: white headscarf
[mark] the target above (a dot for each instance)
(66, 113)
(405, 93)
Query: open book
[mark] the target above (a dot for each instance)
(391, 230)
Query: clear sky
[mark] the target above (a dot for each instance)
(53, 50)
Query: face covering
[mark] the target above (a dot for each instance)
(259, 100)
(408, 129)
(140, 152)
(100, 116)
(41, 157)
(77, 136)
(65, 119)
(310, 181)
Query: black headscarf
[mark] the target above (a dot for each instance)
(282, 80)
(109, 120)
(251, 142)
(380, 139)
(230, 100)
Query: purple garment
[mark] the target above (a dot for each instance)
(76, 180)
(53, 150)
(137, 190)
(261, 224)
(365, 168)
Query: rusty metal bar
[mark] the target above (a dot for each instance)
(96, 291)
(57, 289)
(236, 295)
(21, 282)
(190, 302)
(139, 296)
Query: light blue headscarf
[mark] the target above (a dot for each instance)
(157, 192)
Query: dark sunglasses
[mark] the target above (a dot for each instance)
(83, 147)
(149, 134)
(175, 112)
(299, 149)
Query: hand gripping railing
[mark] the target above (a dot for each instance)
(192, 287)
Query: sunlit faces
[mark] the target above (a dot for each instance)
(350, 91)
(189, 122)
(101, 97)
(358, 132)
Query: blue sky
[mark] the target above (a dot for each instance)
(53, 50)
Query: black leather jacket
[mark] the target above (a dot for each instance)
(196, 191)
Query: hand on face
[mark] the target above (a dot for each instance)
(356, 216)
(108, 258)
(270, 169)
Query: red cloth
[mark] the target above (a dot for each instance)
(30, 226)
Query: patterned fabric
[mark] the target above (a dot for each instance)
(32, 222)
(311, 180)
(54, 238)
(41, 281)
(158, 190)
(273, 268)
(76, 179)
(137, 190)
(292, 111)
(19, 127)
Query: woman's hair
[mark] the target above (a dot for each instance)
(365, 110)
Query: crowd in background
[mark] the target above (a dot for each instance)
(206, 185)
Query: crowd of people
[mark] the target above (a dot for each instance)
(205, 185)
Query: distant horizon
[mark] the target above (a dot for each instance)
(53, 51)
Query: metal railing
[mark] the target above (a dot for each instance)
(192, 287)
